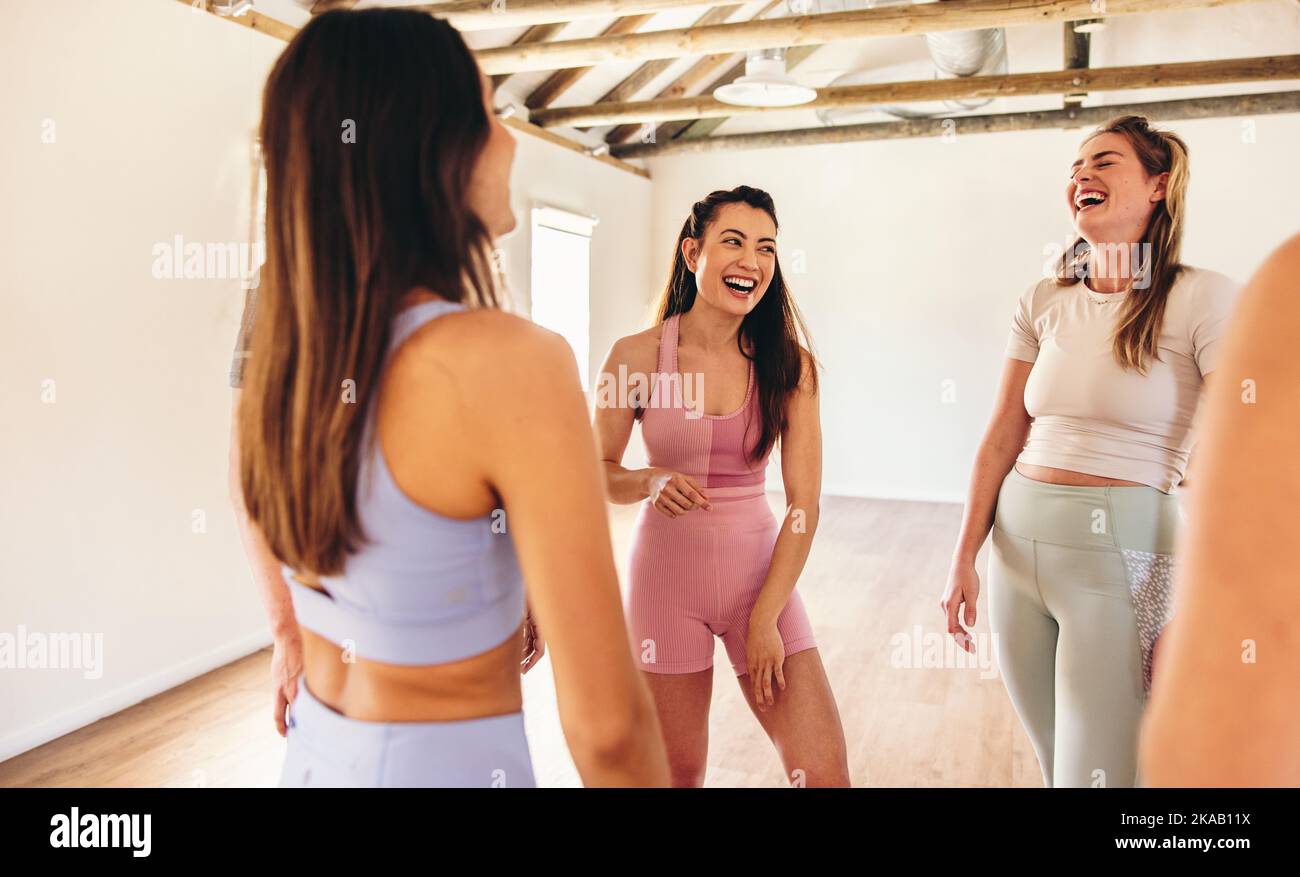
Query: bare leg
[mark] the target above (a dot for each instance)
(682, 701)
(804, 724)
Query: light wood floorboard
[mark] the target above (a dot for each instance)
(871, 587)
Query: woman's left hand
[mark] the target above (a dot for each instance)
(765, 657)
(533, 645)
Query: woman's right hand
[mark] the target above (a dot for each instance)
(674, 494)
(963, 588)
(286, 667)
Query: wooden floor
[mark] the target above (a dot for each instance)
(913, 716)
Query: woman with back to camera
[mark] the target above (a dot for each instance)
(408, 514)
(729, 379)
(1223, 711)
(1075, 473)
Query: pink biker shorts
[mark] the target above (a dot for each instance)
(697, 576)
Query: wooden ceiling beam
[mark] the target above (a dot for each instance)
(468, 15)
(1161, 111)
(538, 33)
(704, 127)
(252, 20)
(1262, 69)
(699, 72)
(803, 30)
(574, 146)
(561, 81)
(647, 72)
(278, 29)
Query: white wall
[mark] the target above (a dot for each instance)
(620, 243)
(915, 253)
(153, 106)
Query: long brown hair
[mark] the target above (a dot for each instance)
(774, 328)
(1136, 336)
(371, 125)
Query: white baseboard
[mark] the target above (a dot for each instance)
(128, 695)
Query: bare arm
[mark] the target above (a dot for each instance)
(539, 454)
(673, 492)
(613, 425)
(1223, 710)
(1003, 440)
(801, 471)
(265, 567)
(286, 657)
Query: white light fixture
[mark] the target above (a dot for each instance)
(765, 83)
(1092, 25)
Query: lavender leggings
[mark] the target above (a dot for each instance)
(327, 749)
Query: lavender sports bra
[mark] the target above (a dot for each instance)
(426, 589)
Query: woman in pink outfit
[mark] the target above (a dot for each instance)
(717, 381)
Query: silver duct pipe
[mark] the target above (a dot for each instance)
(954, 53)
(969, 53)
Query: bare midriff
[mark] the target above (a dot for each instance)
(1049, 475)
(481, 685)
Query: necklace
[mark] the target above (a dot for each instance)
(1107, 297)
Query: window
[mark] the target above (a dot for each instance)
(561, 277)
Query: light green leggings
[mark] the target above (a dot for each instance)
(1079, 589)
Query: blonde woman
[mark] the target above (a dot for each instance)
(1090, 436)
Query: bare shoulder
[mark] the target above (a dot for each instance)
(473, 328)
(638, 352)
(1290, 249)
(489, 351)
(1276, 278)
(808, 368)
(1269, 310)
(1271, 287)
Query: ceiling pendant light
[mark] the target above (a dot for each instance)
(765, 83)
(1092, 25)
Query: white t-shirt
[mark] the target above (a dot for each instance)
(1090, 414)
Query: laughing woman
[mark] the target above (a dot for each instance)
(708, 556)
(1104, 369)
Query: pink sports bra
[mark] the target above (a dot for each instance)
(711, 448)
